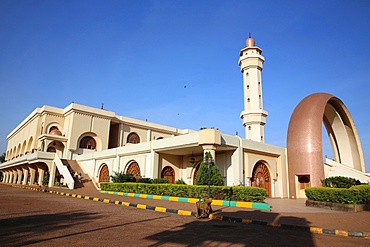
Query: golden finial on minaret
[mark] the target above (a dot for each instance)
(250, 41)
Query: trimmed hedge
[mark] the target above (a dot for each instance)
(355, 195)
(246, 194)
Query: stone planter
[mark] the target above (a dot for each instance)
(339, 206)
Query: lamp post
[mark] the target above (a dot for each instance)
(208, 160)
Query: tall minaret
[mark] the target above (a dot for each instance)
(253, 116)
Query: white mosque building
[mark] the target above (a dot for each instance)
(98, 142)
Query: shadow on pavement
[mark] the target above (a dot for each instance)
(28, 230)
(220, 233)
(268, 217)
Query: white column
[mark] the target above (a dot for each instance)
(15, 174)
(32, 175)
(53, 170)
(6, 177)
(19, 180)
(25, 176)
(154, 163)
(10, 177)
(120, 137)
(211, 149)
(235, 175)
(149, 135)
(41, 173)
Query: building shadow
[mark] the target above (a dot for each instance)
(41, 228)
(268, 217)
(234, 233)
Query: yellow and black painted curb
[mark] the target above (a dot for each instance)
(128, 204)
(310, 229)
(316, 230)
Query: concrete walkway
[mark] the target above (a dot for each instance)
(288, 213)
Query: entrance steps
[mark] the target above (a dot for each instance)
(333, 168)
(86, 183)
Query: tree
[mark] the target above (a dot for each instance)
(2, 158)
(202, 174)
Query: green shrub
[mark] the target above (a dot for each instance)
(237, 193)
(45, 180)
(354, 195)
(145, 180)
(161, 181)
(340, 182)
(180, 181)
(203, 176)
(120, 177)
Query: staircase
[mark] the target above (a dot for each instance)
(86, 182)
(333, 168)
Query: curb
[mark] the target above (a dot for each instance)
(310, 229)
(128, 204)
(250, 205)
(316, 230)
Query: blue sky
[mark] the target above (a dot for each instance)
(136, 57)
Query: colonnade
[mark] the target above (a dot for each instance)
(25, 174)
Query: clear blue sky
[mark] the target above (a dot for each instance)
(136, 57)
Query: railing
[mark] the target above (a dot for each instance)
(63, 170)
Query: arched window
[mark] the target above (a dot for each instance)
(104, 174)
(168, 173)
(51, 150)
(53, 128)
(88, 142)
(55, 131)
(134, 169)
(133, 138)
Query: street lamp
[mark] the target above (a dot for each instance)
(208, 160)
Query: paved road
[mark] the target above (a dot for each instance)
(30, 218)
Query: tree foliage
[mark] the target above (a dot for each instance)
(340, 182)
(180, 181)
(2, 158)
(202, 174)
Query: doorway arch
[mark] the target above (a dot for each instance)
(134, 169)
(104, 174)
(169, 173)
(261, 177)
(196, 168)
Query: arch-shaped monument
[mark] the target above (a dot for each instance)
(304, 139)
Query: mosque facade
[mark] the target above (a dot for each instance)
(51, 140)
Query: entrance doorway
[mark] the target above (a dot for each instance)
(261, 177)
(303, 183)
(168, 173)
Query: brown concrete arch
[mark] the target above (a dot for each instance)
(304, 139)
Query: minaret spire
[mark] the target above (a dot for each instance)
(253, 115)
